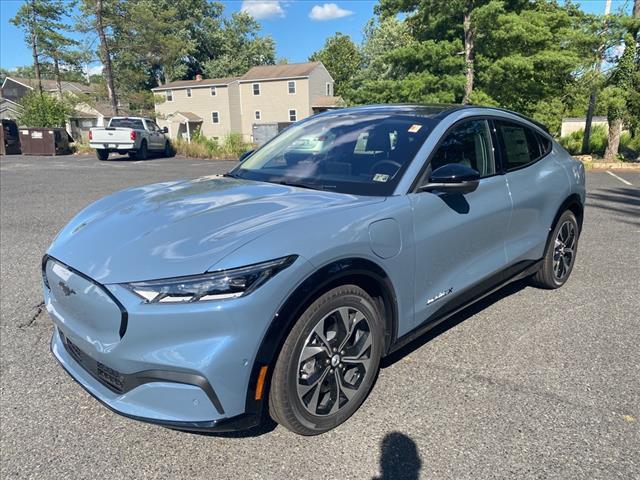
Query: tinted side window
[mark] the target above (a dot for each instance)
(469, 144)
(519, 144)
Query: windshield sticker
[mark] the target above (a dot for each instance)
(380, 177)
(414, 128)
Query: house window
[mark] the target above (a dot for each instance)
(213, 91)
(188, 93)
(169, 95)
(215, 117)
(328, 89)
(292, 86)
(256, 89)
(257, 114)
(293, 116)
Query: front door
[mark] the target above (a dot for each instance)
(460, 238)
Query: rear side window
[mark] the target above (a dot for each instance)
(545, 145)
(518, 144)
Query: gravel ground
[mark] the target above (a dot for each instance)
(526, 384)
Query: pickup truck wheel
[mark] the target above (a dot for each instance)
(102, 154)
(168, 151)
(143, 152)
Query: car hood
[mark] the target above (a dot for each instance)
(182, 228)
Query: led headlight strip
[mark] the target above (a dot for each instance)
(218, 285)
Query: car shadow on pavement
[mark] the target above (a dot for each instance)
(399, 458)
(623, 201)
(456, 319)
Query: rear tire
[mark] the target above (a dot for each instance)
(560, 253)
(328, 363)
(102, 154)
(168, 151)
(143, 152)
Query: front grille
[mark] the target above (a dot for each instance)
(110, 378)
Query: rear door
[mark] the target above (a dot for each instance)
(459, 237)
(155, 135)
(537, 185)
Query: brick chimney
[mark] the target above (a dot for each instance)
(198, 77)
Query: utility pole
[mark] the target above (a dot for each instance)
(592, 96)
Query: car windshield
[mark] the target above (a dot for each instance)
(134, 123)
(359, 153)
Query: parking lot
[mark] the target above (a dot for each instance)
(526, 384)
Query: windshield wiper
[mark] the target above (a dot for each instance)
(231, 175)
(311, 186)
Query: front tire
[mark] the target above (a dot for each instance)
(560, 253)
(102, 154)
(328, 363)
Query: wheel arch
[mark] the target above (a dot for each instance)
(573, 203)
(364, 273)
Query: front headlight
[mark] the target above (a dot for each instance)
(209, 286)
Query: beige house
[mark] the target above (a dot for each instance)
(266, 94)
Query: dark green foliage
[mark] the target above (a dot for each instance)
(341, 58)
(43, 110)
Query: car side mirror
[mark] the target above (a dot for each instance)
(165, 130)
(454, 178)
(244, 156)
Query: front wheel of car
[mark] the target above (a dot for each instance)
(560, 253)
(328, 362)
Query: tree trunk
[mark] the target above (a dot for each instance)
(56, 69)
(636, 9)
(34, 46)
(468, 50)
(106, 58)
(586, 139)
(615, 130)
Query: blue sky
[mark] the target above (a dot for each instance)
(298, 27)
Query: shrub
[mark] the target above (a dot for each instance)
(597, 141)
(202, 147)
(629, 146)
(43, 110)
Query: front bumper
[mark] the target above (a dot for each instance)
(149, 404)
(185, 366)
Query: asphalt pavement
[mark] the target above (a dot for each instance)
(527, 384)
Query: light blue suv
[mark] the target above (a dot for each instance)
(202, 304)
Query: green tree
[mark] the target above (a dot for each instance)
(620, 86)
(29, 18)
(103, 17)
(45, 111)
(240, 48)
(341, 58)
(55, 45)
(381, 38)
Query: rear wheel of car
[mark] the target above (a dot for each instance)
(560, 253)
(328, 362)
(143, 152)
(102, 154)
(168, 151)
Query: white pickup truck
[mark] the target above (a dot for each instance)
(135, 136)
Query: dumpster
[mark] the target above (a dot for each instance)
(9, 138)
(45, 141)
